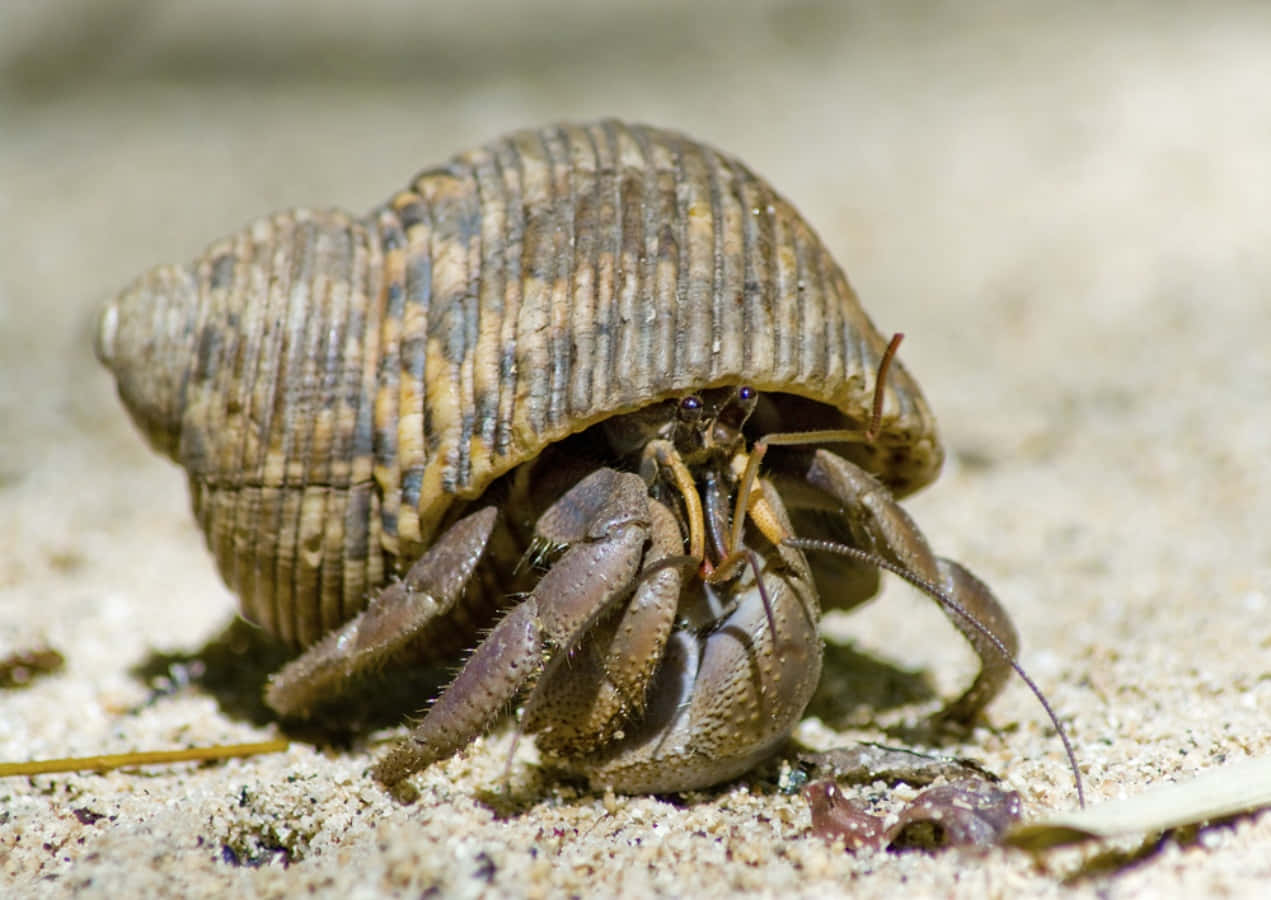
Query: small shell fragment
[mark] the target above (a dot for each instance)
(970, 812)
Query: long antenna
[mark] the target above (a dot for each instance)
(936, 593)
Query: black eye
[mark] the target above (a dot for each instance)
(690, 407)
(746, 393)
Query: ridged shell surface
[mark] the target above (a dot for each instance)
(332, 384)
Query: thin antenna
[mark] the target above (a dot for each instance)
(940, 596)
(880, 381)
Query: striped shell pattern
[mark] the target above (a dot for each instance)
(333, 384)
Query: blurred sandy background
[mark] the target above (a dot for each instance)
(1068, 213)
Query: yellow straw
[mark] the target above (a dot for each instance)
(152, 757)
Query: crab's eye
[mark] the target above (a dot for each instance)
(691, 408)
(746, 400)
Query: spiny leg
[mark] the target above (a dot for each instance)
(974, 596)
(876, 517)
(392, 620)
(604, 522)
(582, 703)
(984, 688)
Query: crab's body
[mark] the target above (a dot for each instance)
(497, 360)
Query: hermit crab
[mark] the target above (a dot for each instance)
(580, 399)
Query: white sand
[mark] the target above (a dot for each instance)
(1069, 216)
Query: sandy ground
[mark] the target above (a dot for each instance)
(1069, 217)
